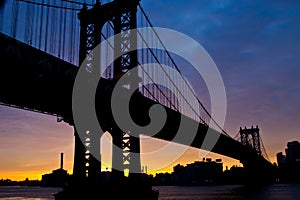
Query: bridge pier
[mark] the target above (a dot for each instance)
(87, 181)
(258, 170)
(135, 159)
(259, 173)
(79, 157)
(93, 154)
(117, 155)
(85, 163)
(126, 148)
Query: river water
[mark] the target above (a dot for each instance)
(273, 192)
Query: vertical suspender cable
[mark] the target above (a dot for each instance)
(31, 21)
(27, 23)
(143, 61)
(146, 55)
(36, 24)
(169, 87)
(153, 72)
(107, 71)
(53, 23)
(15, 9)
(205, 110)
(152, 85)
(76, 41)
(41, 26)
(71, 33)
(173, 95)
(76, 28)
(60, 31)
(64, 34)
(47, 28)
(2, 9)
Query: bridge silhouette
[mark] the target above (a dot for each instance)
(41, 51)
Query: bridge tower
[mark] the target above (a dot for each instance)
(250, 137)
(122, 14)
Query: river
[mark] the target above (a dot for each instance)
(273, 192)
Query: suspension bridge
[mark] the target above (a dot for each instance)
(42, 45)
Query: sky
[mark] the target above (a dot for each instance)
(255, 45)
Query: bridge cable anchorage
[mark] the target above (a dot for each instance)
(184, 79)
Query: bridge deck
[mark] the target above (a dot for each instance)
(32, 79)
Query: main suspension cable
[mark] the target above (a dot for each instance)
(184, 79)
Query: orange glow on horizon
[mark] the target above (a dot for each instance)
(33, 146)
(189, 156)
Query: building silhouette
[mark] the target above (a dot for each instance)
(289, 164)
(199, 173)
(205, 172)
(234, 175)
(58, 177)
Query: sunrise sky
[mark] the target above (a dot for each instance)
(255, 45)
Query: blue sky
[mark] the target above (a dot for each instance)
(255, 45)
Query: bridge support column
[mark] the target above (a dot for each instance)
(117, 155)
(135, 158)
(253, 141)
(94, 169)
(85, 162)
(79, 157)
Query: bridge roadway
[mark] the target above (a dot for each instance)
(34, 80)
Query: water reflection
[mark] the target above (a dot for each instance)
(27, 193)
(227, 192)
(274, 192)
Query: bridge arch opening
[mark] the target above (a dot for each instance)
(250, 141)
(106, 151)
(107, 51)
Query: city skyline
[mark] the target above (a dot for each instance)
(255, 46)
